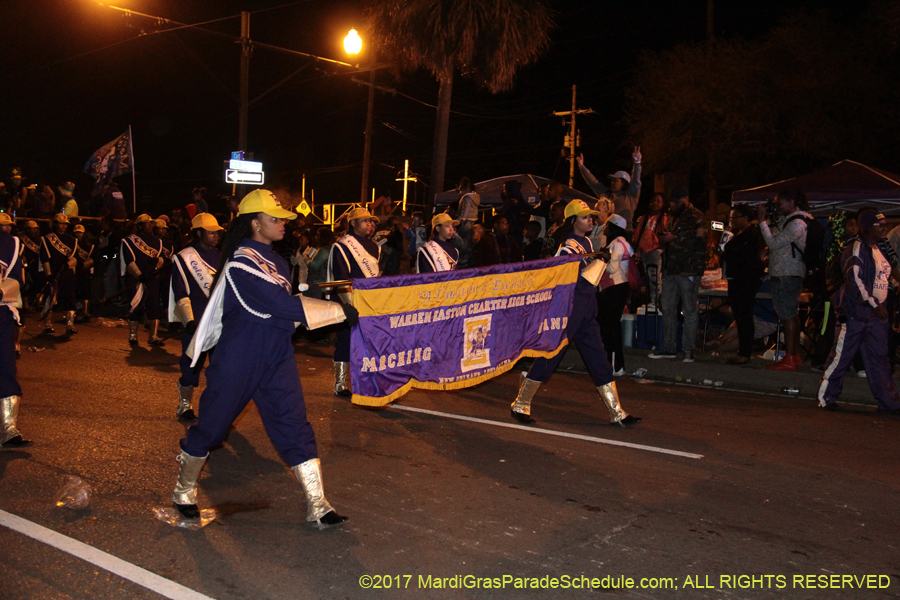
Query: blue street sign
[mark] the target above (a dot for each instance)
(237, 155)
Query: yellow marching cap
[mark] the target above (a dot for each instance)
(361, 213)
(78, 228)
(264, 201)
(205, 221)
(442, 219)
(145, 218)
(579, 208)
(5, 219)
(60, 218)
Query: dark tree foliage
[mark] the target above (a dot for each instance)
(810, 93)
(486, 40)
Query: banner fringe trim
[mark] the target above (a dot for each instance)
(377, 401)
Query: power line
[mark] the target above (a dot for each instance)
(261, 10)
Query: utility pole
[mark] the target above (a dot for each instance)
(246, 50)
(367, 145)
(573, 139)
(406, 179)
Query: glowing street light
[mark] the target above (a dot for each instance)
(352, 43)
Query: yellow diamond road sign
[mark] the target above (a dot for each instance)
(303, 208)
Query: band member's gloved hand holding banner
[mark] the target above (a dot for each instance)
(455, 329)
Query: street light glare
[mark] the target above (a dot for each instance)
(352, 43)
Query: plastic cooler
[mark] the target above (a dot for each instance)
(650, 330)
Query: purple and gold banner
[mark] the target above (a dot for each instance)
(451, 330)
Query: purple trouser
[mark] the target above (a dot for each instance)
(870, 337)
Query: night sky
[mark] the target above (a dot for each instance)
(63, 98)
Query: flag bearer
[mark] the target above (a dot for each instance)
(250, 318)
(582, 326)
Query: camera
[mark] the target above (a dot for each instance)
(771, 208)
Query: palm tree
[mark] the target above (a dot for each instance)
(487, 40)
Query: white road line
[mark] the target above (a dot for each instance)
(575, 436)
(117, 566)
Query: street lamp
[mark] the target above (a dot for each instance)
(352, 43)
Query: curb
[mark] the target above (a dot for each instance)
(707, 371)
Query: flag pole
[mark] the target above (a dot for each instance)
(133, 184)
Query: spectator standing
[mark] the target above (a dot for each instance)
(647, 248)
(7, 200)
(861, 305)
(198, 197)
(786, 242)
(114, 202)
(417, 234)
(744, 270)
(467, 215)
(624, 190)
(541, 211)
(509, 248)
(300, 259)
(44, 204)
(15, 188)
(392, 250)
(533, 244)
(485, 251)
(893, 238)
(552, 234)
(514, 207)
(68, 205)
(318, 261)
(685, 250)
(614, 292)
(604, 209)
(887, 250)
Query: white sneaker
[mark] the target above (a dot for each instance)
(688, 357)
(662, 354)
(861, 374)
(619, 373)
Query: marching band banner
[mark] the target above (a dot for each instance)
(451, 330)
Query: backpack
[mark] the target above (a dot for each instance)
(815, 243)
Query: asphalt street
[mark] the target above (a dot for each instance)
(714, 495)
